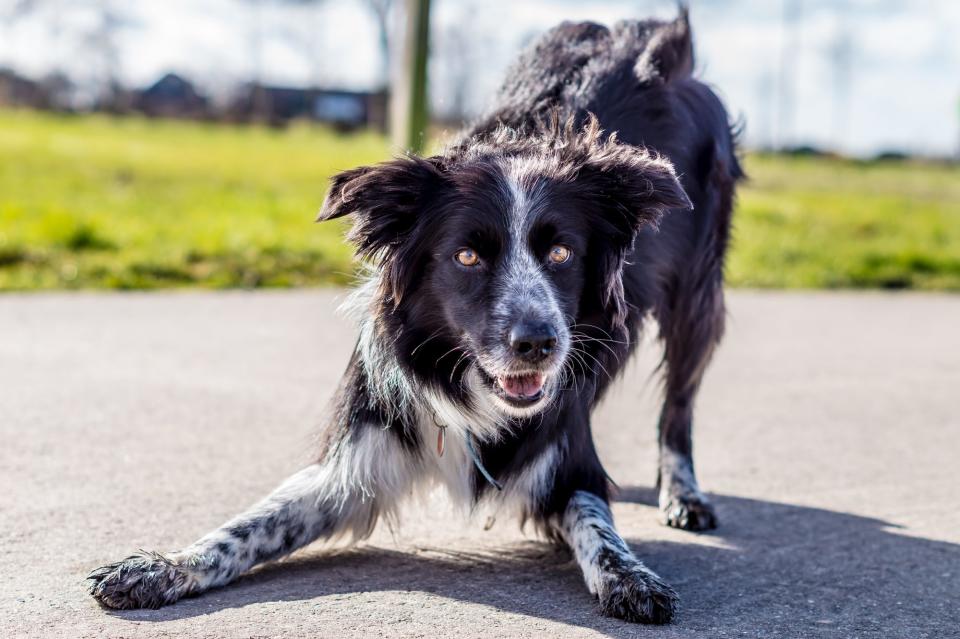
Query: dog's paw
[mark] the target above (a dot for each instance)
(144, 580)
(688, 512)
(637, 595)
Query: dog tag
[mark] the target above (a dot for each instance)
(440, 439)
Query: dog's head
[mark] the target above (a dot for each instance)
(493, 256)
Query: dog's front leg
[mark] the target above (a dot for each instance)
(342, 494)
(625, 588)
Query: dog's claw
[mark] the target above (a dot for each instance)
(145, 580)
(638, 596)
(689, 513)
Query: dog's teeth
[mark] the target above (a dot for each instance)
(522, 386)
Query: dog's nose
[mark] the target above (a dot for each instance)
(533, 341)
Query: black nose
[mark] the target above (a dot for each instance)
(533, 341)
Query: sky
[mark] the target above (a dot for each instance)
(865, 76)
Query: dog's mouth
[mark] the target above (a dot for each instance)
(519, 390)
(526, 388)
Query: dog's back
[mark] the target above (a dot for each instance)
(581, 68)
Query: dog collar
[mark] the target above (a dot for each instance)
(479, 464)
(471, 450)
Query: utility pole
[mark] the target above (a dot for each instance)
(841, 55)
(408, 109)
(789, 52)
(958, 130)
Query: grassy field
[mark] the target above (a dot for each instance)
(91, 202)
(830, 223)
(98, 203)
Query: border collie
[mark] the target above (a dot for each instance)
(510, 277)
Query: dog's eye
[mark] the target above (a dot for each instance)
(467, 257)
(559, 254)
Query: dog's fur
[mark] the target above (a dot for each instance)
(435, 335)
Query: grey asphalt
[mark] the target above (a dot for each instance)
(828, 433)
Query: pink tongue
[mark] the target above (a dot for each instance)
(523, 386)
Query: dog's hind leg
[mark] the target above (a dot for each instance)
(690, 331)
(691, 318)
(625, 588)
(361, 476)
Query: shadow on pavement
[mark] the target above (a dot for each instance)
(770, 570)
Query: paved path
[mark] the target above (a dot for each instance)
(829, 433)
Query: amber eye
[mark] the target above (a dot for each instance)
(467, 257)
(559, 254)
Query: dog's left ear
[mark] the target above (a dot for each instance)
(634, 187)
(387, 201)
(631, 189)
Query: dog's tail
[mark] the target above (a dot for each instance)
(668, 52)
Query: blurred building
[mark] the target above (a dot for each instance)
(345, 110)
(16, 90)
(51, 92)
(172, 96)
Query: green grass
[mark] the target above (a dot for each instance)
(833, 223)
(92, 202)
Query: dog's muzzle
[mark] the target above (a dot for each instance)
(528, 365)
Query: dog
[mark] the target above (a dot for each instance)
(510, 276)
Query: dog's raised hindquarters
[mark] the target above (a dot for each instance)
(510, 277)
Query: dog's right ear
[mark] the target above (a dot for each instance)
(386, 201)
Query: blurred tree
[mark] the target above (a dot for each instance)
(381, 12)
(958, 129)
(789, 53)
(261, 99)
(102, 39)
(841, 51)
(457, 57)
(95, 25)
(762, 123)
(408, 94)
(12, 10)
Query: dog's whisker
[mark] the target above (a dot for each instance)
(421, 344)
(453, 371)
(609, 338)
(598, 362)
(585, 339)
(452, 350)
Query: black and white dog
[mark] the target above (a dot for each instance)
(510, 278)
